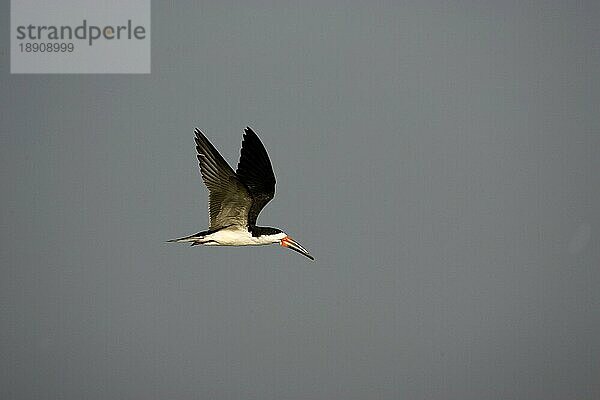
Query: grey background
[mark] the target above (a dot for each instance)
(440, 160)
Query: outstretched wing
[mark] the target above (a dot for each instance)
(228, 201)
(255, 171)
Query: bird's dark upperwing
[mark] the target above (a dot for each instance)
(255, 171)
(229, 201)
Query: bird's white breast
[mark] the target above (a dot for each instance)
(235, 237)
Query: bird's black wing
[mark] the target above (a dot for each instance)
(255, 171)
(229, 201)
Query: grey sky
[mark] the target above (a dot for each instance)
(439, 159)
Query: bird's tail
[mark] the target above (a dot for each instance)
(194, 239)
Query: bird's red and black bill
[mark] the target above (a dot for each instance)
(292, 244)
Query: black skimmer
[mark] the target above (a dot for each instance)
(236, 198)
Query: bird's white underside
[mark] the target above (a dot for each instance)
(238, 236)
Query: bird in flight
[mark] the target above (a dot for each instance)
(236, 198)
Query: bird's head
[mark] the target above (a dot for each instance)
(275, 235)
